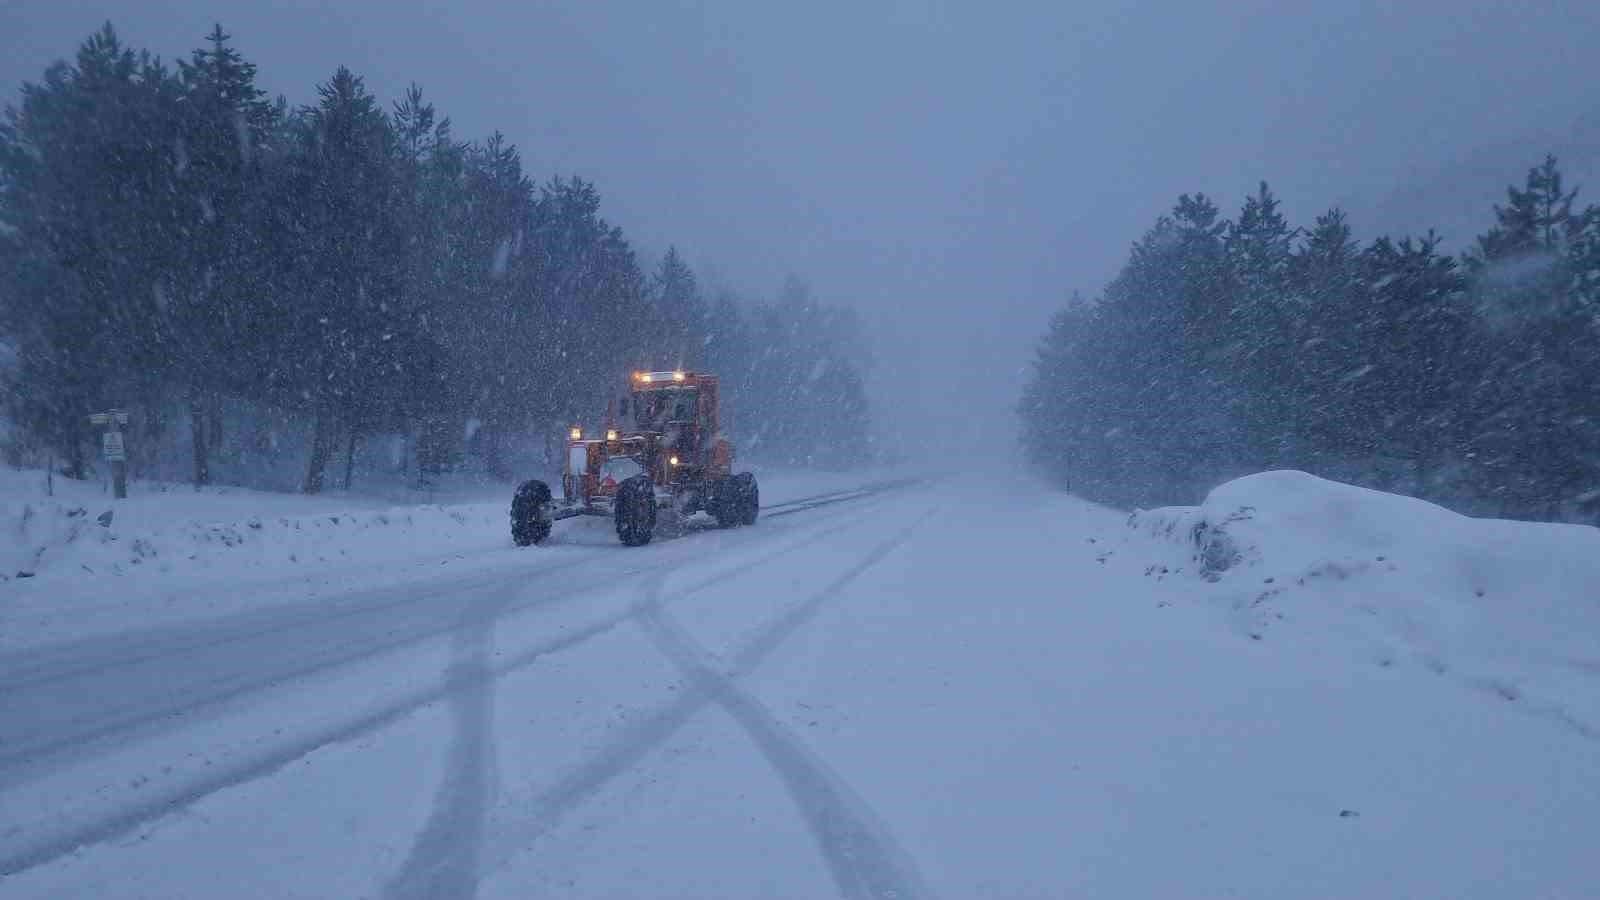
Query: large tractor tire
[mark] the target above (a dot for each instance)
(748, 497)
(723, 504)
(736, 501)
(635, 510)
(530, 513)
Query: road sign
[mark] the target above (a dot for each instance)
(112, 446)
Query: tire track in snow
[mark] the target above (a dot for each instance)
(238, 667)
(32, 752)
(42, 845)
(50, 843)
(443, 861)
(57, 662)
(836, 817)
(861, 852)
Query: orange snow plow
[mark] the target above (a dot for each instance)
(661, 451)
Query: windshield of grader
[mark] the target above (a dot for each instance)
(654, 410)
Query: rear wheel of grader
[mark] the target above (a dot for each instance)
(737, 501)
(749, 497)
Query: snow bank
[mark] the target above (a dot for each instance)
(79, 563)
(1511, 607)
(163, 528)
(81, 530)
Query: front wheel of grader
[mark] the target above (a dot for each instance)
(530, 518)
(635, 510)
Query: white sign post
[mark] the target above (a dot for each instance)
(113, 449)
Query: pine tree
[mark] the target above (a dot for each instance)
(494, 278)
(350, 267)
(432, 211)
(591, 314)
(1536, 217)
(1325, 282)
(1534, 280)
(730, 352)
(1056, 408)
(226, 118)
(89, 162)
(1416, 336)
(1165, 315)
(680, 311)
(1263, 326)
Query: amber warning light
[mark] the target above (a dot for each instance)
(653, 377)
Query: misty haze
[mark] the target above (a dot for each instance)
(887, 450)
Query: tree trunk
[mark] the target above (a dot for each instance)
(428, 450)
(197, 430)
(74, 450)
(424, 452)
(493, 460)
(216, 422)
(321, 449)
(261, 433)
(350, 458)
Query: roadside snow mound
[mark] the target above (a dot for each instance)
(1510, 607)
(80, 531)
(77, 530)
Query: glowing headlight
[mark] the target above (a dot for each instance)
(677, 376)
(646, 378)
(577, 434)
(673, 460)
(611, 435)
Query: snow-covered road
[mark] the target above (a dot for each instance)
(941, 689)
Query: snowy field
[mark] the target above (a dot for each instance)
(1298, 688)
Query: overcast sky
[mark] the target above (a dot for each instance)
(952, 170)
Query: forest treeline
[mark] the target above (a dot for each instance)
(175, 243)
(1229, 346)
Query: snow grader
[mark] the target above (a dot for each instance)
(661, 451)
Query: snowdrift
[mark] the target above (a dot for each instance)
(173, 529)
(1510, 607)
(80, 531)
